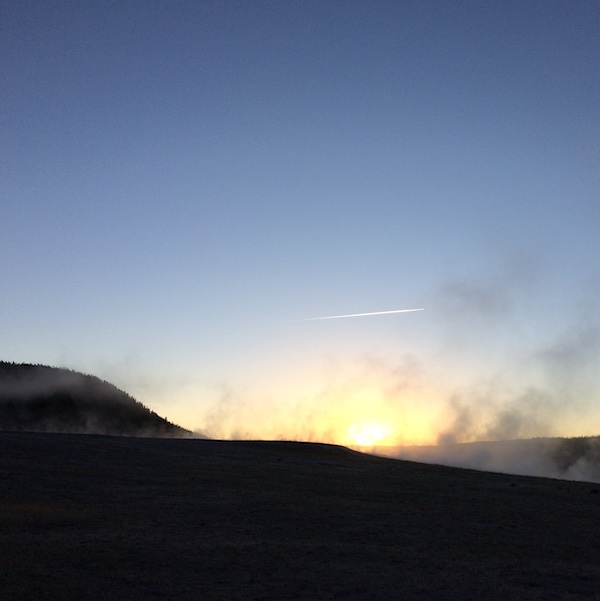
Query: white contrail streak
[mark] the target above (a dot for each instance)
(363, 314)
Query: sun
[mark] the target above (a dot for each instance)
(368, 434)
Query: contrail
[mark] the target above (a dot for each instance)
(363, 314)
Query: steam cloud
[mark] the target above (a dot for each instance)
(564, 458)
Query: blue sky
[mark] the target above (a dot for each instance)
(183, 182)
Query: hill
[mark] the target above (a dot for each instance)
(95, 517)
(38, 398)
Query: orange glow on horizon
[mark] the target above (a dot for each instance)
(368, 404)
(371, 405)
(357, 419)
(369, 434)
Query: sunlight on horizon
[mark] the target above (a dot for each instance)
(376, 402)
(363, 420)
(368, 434)
(350, 416)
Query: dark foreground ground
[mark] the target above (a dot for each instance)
(95, 517)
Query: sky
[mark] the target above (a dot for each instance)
(185, 184)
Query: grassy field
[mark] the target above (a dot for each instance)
(98, 517)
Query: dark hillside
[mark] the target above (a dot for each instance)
(127, 519)
(38, 398)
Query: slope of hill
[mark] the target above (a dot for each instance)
(98, 517)
(38, 398)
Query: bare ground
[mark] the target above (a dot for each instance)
(98, 517)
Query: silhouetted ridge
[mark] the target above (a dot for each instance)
(38, 398)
